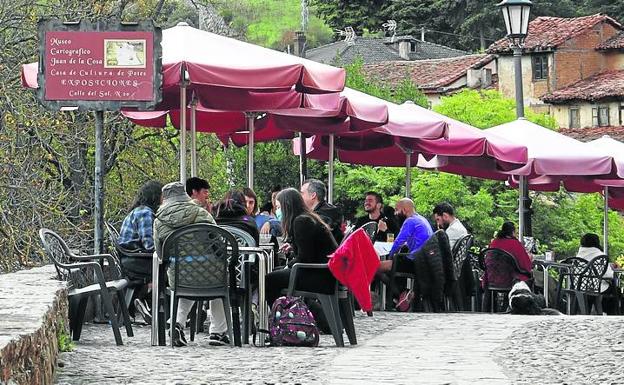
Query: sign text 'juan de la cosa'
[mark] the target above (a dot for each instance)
(99, 66)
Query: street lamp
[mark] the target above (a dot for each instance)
(516, 14)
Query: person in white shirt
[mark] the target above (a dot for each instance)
(444, 215)
(590, 249)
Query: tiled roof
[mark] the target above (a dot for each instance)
(426, 74)
(371, 50)
(426, 49)
(616, 42)
(607, 84)
(376, 50)
(592, 133)
(547, 33)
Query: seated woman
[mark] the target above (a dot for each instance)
(310, 240)
(137, 236)
(590, 249)
(506, 240)
(231, 211)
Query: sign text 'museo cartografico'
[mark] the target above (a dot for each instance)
(99, 66)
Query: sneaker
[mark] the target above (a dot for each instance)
(178, 336)
(218, 339)
(141, 308)
(405, 300)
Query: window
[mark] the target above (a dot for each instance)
(600, 116)
(540, 67)
(575, 117)
(412, 46)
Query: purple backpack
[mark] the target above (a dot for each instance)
(292, 324)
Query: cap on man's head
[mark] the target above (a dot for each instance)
(174, 192)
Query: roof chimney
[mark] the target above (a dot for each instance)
(300, 41)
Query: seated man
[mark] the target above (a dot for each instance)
(444, 215)
(414, 232)
(199, 191)
(176, 211)
(373, 205)
(313, 192)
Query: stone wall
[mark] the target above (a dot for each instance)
(33, 308)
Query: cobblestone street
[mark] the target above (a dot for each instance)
(397, 348)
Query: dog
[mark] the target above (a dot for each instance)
(523, 301)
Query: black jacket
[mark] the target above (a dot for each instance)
(332, 216)
(236, 216)
(434, 269)
(311, 240)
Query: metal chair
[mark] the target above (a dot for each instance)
(243, 276)
(589, 284)
(76, 270)
(371, 229)
(568, 281)
(501, 272)
(203, 258)
(476, 270)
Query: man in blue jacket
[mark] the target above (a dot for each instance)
(414, 232)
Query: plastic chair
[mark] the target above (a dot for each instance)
(501, 272)
(455, 301)
(75, 270)
(336, 306)
(203, 258)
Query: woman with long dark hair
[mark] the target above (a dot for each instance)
(310, 240)
(136, 233)
(231, 211)
(137, 236)
(506, 240)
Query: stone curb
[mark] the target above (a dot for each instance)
(33, 309)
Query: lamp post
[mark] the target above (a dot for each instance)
(516, 15)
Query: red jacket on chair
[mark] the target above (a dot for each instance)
(354, 264)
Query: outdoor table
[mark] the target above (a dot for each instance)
(158, 319)
(265, 266)
(383, 250)
(547, 265)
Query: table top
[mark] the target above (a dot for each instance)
(543, 262)
(382, 248)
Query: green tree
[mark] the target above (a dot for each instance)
(405, 91)
(360, 14)
(559, 219)
(615, 9)
(273, 23)
(488, 108)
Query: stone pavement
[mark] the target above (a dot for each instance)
(394, 348)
